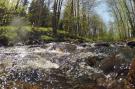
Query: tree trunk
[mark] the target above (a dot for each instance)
(54, 19)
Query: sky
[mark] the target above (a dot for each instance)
(102, 10)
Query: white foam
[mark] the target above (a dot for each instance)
(44, 64)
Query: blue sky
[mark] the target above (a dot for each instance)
(102, 10)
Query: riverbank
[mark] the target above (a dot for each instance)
(11, 35)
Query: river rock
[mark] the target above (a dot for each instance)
(93, 61)
(111, 64)
(103, 44)
(2, 66)
(70, 47)
(131, 74)
(69, 67)
(4, 41)
(91, 86)
(85, 44)
(120, 44)
(21, 85)
(98, 77)
(127, 53)
(19, 44)
(131, 44)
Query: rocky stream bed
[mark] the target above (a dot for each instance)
(67, 66)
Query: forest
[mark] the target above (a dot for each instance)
(67, 44)
(36, 21)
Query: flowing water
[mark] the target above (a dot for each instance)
(61, 65)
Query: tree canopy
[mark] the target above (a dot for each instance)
(78, 18)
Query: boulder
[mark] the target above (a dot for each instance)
(102, 44)
(131, 44)
(112, 64)
(93, 60)
(4, 41)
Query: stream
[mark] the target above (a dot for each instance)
(64, 66)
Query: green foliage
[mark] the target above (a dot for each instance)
(82, 23)
(6, 36)
(123, 13)
(39, 14)
(46, 38)
(79, 21)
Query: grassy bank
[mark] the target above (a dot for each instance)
(10, 35)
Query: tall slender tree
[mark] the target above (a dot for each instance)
(57, 6)
(124, 14)
(38, 13)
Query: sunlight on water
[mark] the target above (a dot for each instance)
(52, 65)
(24, 57)
(44, 64)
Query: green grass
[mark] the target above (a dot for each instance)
(62, 32)
(41, 29)
(27, 33)
(7, 27)
(46, 38)
(14, 34)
